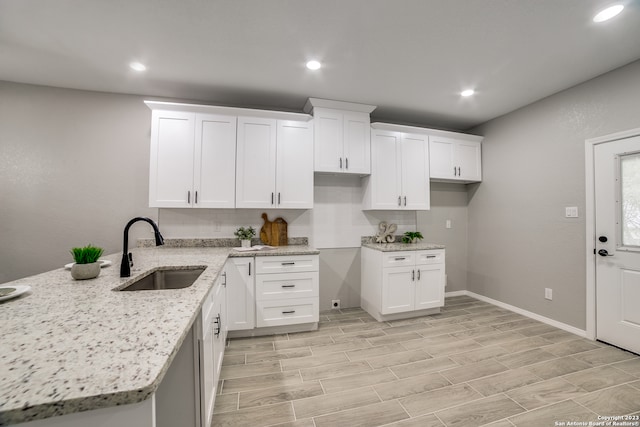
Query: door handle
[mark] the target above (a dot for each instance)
(405, 200)
(288, 286)
(196, 198)
(271, 198)
(603, 252)
(418, 274)
(413, 275)
(399, 200)
(289, 312)
(189, 197)
(340, 162)
(278, 198)
(346, 163)
(455, 172)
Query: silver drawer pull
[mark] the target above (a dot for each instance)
(289, 312)
(288, 263)
(432, 256)
(288, 286)
(400, 258)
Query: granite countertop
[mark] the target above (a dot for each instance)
(70, 346)
(399, 246)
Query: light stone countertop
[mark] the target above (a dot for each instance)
(399, 246)
(69, 346)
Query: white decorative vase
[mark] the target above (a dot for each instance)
(85, 271)
(246, 243)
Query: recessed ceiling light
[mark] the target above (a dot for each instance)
(137, 66)
(314, 65)
(608, 13)
(467, 92)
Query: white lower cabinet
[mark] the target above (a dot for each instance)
(211, 332)
(402, 284)
(241, 300)
(286, 290)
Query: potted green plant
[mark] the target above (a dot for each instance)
(412, 237)
(86, 264)
(245, 235)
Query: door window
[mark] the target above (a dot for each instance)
(630, 200)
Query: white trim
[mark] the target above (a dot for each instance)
(590, 222)
(455, 293)
(336, 105)
(228, 111)
(426, 131)
(518, 310)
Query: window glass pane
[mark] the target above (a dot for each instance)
(630, 189)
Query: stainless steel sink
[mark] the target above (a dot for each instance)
(166, 279)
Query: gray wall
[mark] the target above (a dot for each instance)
(533, 167)
(74, 167)
(448, 202)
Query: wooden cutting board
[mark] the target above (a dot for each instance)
(274, 233)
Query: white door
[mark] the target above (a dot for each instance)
(256, 163)
(386, 167)
(328, 134)
(441, 152)
(429, 286)
(294, 165)
(241, 307)
(467, 155)
(215, 161)
(357, 143)
(171, 160)
(398, 289)
(617, 242)
(415, 172)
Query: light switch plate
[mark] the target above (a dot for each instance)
(448, 224)
(571, 212)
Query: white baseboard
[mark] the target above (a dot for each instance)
(560, 325)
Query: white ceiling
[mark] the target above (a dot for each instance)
(411, 58)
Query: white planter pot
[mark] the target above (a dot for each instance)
(85, 271)
(245, 243)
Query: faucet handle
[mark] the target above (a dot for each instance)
(130, 259)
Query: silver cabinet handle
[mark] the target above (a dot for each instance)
(340, 162)
(459, 172)
(399, 200)
(249, 268)
(289, 312)
(400, 258)
(418, 274)
(346, 163)
(225, 279)
(288, 286)
(271, 198)
(287, 263)
(218, 323)
(278, 198)
(431, 256)
(413, 275)
(405, 200)
(196, 200)
(189, 196)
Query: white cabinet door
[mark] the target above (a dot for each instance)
(219, 334)
(328, 140)
(429, 286)
(469, 161)
(215, 159)
(384, 185)
(415, 172)
(455, 160)
(397, 289)
(294, 172)
(171, 159)
(357, 143)
(256, 163)
(241, 309)
(207, 375)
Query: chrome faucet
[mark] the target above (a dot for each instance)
(127, 257)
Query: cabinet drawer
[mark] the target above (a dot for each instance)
(398, 259)
(286, 264)
(430, 257)
(288, 312)
(286, 285)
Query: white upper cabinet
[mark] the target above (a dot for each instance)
(455, 160)
(191, 154)
(195, 150)
(399, 172)
(342, 136)
(274, 164)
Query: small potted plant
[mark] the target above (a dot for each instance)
(245, 235)
(86, 264)
(412, 237)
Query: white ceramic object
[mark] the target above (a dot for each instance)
(85, 271)
(17, 291)
(245, 243)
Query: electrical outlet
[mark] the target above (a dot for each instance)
(548, 293)
(335, 304)
(447, 223)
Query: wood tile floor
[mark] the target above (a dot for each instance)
(474, 364)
